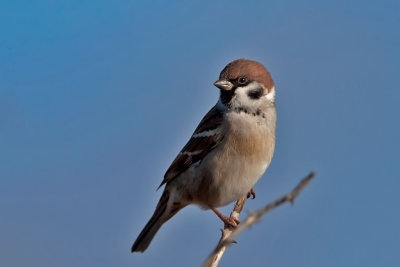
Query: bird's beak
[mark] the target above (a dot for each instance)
(224, 85)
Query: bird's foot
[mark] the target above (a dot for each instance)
(251, 194)
(231, 221)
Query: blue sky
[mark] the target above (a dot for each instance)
(97, 97)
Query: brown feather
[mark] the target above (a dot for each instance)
(153, 225)
(253, 70)
(199, 146)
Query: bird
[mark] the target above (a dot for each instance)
(229, 151)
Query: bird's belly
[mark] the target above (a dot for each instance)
(224, 183)
(237, 183)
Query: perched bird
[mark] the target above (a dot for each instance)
(228, 152)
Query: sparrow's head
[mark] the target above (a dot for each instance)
(246, 84)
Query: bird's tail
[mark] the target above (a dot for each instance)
(164, 211)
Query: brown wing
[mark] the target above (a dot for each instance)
(204, 139)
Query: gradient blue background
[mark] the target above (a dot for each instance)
(97, 98)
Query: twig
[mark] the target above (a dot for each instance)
(229, 234)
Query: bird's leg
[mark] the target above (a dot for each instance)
(227, 220)
(251, 194)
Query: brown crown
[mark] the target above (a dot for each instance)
(251, 69)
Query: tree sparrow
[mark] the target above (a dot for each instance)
(228, 152)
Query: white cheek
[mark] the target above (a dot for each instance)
(242, 99)
(271, 95)
(241, 94)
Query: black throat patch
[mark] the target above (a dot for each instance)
(226, 96)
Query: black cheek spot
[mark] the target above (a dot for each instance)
(255, 94)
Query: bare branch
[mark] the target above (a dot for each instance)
(229, 234)
(214, 259)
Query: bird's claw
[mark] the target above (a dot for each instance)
(231, 221)
(251, 194)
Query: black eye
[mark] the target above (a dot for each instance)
(242, 80)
